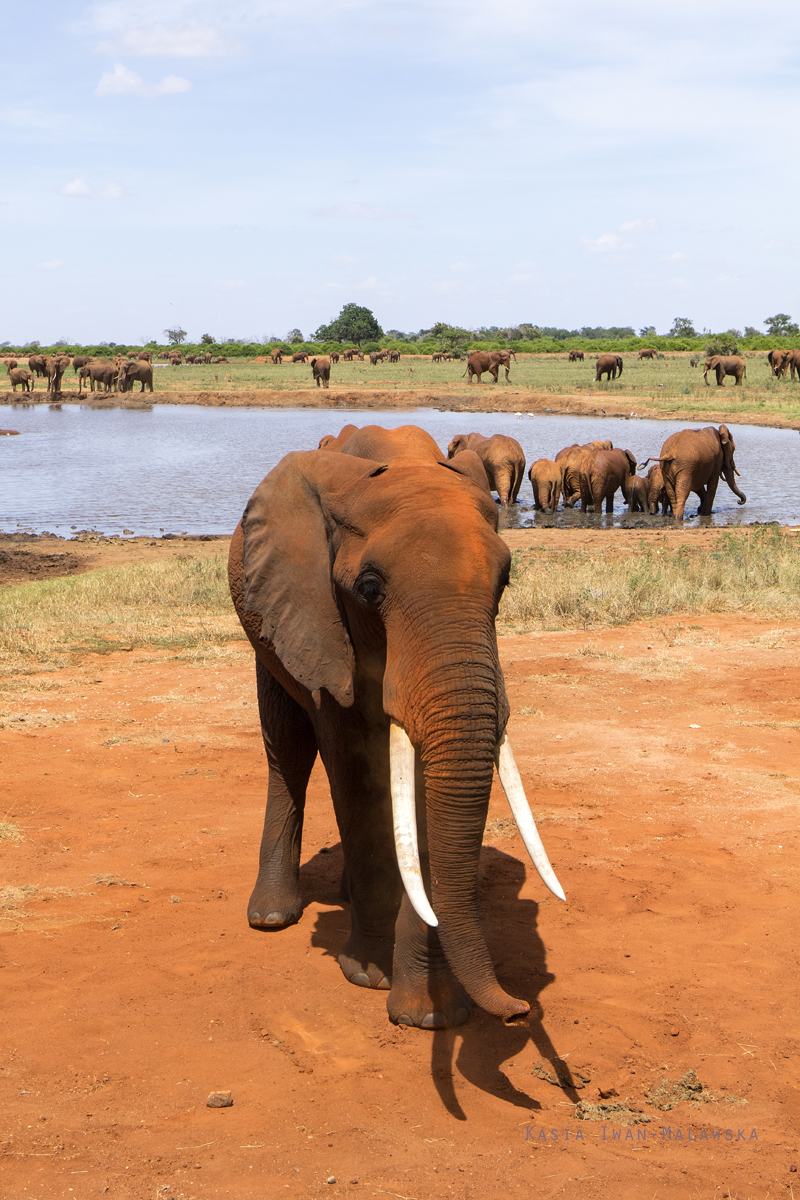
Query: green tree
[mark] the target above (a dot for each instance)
(682, 327)
(451, 338)
(751, 331)
(206, 340)
(175, 336)
(294, 337)
(354, 324)
(648, 331)
(781, 325)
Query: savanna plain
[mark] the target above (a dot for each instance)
(665, 386)
(653, 680)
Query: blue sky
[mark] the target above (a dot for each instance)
(248, 167)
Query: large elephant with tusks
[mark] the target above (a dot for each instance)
(368, 587)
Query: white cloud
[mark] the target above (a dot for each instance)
(123, 82)
(52, 265)
(75, 187)
(112, 191)
(638, 227)
(362, 212)
(607, 243)
(159, 41)
(678, 256)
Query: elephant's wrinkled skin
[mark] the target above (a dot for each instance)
(603, 472)
(723, 365)
(609, 365)
(368, 589)
(547, 481)
(692, 460)
(656, 492)
(572, 458)
(503, 459)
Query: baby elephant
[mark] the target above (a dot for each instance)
(547, 481)
(22, 376)
(321, 370)
(634, 489)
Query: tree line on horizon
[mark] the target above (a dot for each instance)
(357, 325)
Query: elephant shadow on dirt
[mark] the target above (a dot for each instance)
(478, 1049)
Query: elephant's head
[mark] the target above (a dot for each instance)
(378, 586)
(459, 443)
(728, 465)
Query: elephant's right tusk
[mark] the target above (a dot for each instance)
(404, 818)
(515, 793)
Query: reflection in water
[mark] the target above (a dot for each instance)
(180, 468)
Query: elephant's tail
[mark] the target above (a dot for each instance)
(654, 458)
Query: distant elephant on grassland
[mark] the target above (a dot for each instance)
(146, 356)
(648, 353)
(302, 356)
(480, 361)
(547, 481)
(78, 362)
(634, 489)
(375, 357)
(135, 372)
(55, 368)
(208, 357)
(604, 472)
(394, 356)
(609, 365)
(372, 622)
(656, 492)
(779, 361)
(692, 460)
(794, 362)
(576, 356)
(276, 356)
(321, 370)
(333, 356)
(22, 377)
(503, 459)
(38, 364)
(104, 374)
(723, 365)
(572, 457)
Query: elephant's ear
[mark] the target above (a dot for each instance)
(631, 461)
(724, 435)
(467, 462)
(287, 568)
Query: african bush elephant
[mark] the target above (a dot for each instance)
(356, 580)
(375, 357)
(276, 356)
(335, 441)
(333, 356)
(794, 363)
(576, 356)
(603, 472)
(572, 458)
(38, 364)
(146, 356)
(394, 356)
(321, 370)
(22, 377)
(55, 367)
(634, 489)
(648, 352)
(301, 356)
(692, 460)
(723, 365)
(609, 365)
(655, 490)
(547, 481)
(78, 362)
(135, 372)
(104, 374)
(487, 360)
(503, 459)
(779, 361)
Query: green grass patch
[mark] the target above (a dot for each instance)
(750, 571)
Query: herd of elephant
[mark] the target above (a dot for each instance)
(111, 375)
(691, 460)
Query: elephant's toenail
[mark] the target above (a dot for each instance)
(433, 1021)
(385, 984)
(360, 979)
(275, 918)
(461, 1016)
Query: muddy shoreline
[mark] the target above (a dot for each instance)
(483, 399)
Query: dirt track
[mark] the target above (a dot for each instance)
(662, 766)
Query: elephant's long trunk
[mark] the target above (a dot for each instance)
(728, 475)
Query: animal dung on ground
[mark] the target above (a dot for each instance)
(219, 1100)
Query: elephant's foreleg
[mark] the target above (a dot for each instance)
(291, 749)
(425, 992)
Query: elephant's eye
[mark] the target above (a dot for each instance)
(370, 588)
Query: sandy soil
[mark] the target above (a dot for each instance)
(662, 766)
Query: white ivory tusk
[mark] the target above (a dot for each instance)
(515, 793)
(404, 818)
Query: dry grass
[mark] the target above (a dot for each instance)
(750, 571)
(10, 832)
(181, 604)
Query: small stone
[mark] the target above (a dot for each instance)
(331, 1179)
(219, 1100)
(674, 1032)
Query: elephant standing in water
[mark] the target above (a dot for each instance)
(572, 458)
(368, 588)
(604, 472)
(692, 460)
(503, 459)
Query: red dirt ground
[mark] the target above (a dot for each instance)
(661, 763)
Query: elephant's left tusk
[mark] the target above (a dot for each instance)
(404, 818)
(515, 793)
